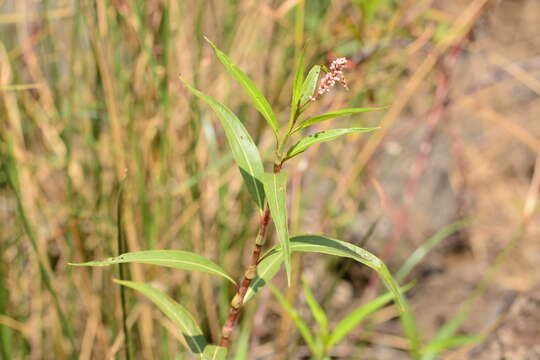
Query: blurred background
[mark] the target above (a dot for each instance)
(90, 95)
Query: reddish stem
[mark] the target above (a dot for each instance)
(250, 273)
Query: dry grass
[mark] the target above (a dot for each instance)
(90, 96)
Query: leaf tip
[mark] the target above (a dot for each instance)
(288, 267)
(89, 263)
(182, 80)
(209, 42)
(289, 280)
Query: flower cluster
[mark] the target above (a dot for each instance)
(332, 77)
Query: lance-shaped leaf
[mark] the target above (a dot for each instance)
(334, 114)
(297, 89)
(242, 146)
(275, 186)
(310, 84)
(322, 136)
(177, 259)
(214, 352)
(325, 245)
(267, 268)
(174, 311)
(258, 99)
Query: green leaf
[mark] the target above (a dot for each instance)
(310, 84)
(177, 259)
(322, 136)
(258, 99)
(242, 146)
(324, 245)
(174, 311)
(354, 318)
(448, 330)
(426, 247)
(214, 352)
(300, 324)
(297, 89)
(267, 268)
(334, 114)
(438, 346)
(275, 186)
(318, 313)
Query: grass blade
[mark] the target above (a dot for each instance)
(423, 250)
(174, 311)
(318, 313)
(275, 186)
(300, 324)
(445, 344)
(258, 99)
(176, 259)
(334, 114)
(242, 146)
(355, 317)
(47, 276)
(322, 136)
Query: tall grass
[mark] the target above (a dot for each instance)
(90, 98)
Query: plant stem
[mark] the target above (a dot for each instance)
(249, 275)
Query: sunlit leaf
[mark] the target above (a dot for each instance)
(300, 324)
(322, 136)
(174, 311)
(334, 114)
(214, 352)
(275, 186)
(267, 268)
(177, 259)
(297, 88)
(258, 99)
(310, 84)
(325, 245)
(354, 318)
(242, 146)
